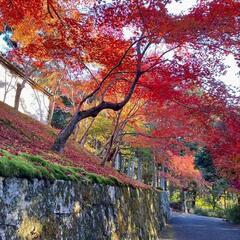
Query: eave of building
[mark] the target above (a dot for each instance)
(21, 74)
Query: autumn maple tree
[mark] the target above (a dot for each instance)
(136, 57)
(96, 36)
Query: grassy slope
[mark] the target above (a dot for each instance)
(20, 134)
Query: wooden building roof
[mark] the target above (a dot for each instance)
(15, 69)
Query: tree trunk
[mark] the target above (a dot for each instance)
(129, 168)
(194, 199)
(4, 97)
(133, 169)
(122, 164)
(18, 96)
(94, 111)
(103, 148)
(84, 136)
(214, 202)
(108, 152)
(66, 133)
(139, 169)
(154, 179)
(97, 144)
(6, 85)
(112, 138)
(184, 201)
(225, 199)
(51, 110)
(163, 183)
(158, 178)
(20, 87)
(154, 176)
(116, 159)
(76, 132)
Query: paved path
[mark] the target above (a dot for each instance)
(193, 227)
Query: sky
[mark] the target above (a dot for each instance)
(181, 6)
(3, 45)
(231, 78)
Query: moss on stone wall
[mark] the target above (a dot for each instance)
(29, 166)
(40, 200)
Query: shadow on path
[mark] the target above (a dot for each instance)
(194, 227)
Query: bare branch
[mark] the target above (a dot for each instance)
(110, 72)
(88, 69)
(49, 7)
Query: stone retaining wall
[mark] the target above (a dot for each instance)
(65, 210)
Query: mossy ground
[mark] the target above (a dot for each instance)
(30, 166)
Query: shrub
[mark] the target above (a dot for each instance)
(219, 213)
(233, 214)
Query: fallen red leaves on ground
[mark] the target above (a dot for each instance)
(22, 134)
